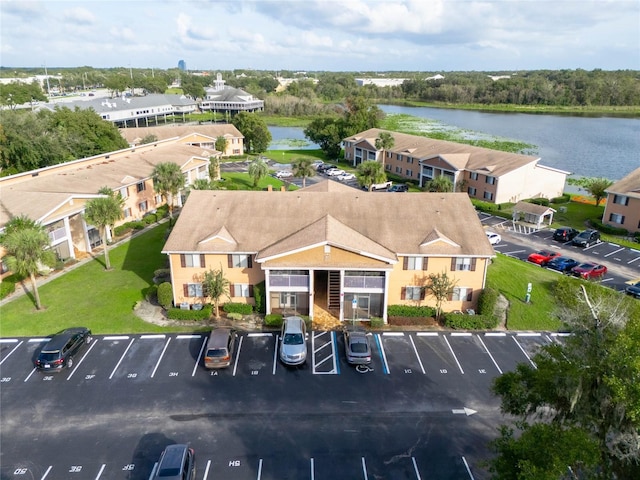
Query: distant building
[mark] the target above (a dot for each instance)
(623, 203)
(223, 99)
(182, 66)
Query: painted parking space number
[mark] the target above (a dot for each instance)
(234, 463)
(407, 370)
(173, 374)
(443, 370)
(128, 467)
(89, 377)
(482, 370)
(132, 375)
(20, 471)
(75, 468)
(255, 372)
(5, 379)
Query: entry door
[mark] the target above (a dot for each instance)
(289, 301)
(362, 311)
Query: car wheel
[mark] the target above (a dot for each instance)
(69, 362)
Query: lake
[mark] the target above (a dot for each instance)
(584, 146)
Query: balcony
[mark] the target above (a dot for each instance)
(364, 282)
(288, 280)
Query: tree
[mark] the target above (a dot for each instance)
(221, 145)
(597, 188)
(257, 136)
(215, 286)
(27, 246)
(327, 133)
(590, 380)
(439, 184)
(369, 173)
(168, 180)
(360, 114)
(384, 142)
(441, 286)
(302, 169)
(258, 169)
(149, 138)
(103, 212)
(214, 168)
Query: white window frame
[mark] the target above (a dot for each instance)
(463, 264)
(415, 263)
(241, 290)
(461, 293)
(413, 293)
(240, 260)
(195, 290)
(192, 260)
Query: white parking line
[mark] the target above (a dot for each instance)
(120, 337)
(261, 334)
(313, 474)
(152, 337)
(275, 356)
(46, 473)
(415, 467)
(206, 470)
(195, 367)
(101, 470)
(83, 357)
(393, 334)
(454, 355)
(9, 340)
(9, 354)
(160, 359)
(121, 358)
(427, 334)
(490, 356)
(461, 334)
(384, 355)
(634, 260)
(259, 469)
(38, 340)
(364, 469)
(417, 355)
(525, 353)
(235, 364)
(468, 469)
(528, 334)
(187, 337)
(495, 334)
(615, 251)
(29, 376)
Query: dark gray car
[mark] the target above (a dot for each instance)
(357, 347)
(177, 462)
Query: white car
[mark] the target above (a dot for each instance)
(283, 174)
(493, 237)
(346, 176)
(334, 172)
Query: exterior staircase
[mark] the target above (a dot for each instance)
(334, 291)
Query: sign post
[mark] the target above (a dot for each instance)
(527, 297)
(354, 305)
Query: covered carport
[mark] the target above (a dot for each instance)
(531, 213)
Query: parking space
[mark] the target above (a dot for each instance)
(472, 355)
(257, 355)
(400, 353)
(505, 350)
(182, 357)
(324, 353)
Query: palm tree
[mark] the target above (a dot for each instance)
(258, 169)
(104, 212)
(302, 168)
(439, 184)
(27, 250)
(168, 180)
(384, 142)
(369, 173)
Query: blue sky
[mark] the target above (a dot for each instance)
(308, 35)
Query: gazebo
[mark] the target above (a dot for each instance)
(532, 213)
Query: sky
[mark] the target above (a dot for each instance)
(323, 35)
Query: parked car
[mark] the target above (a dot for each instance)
(317, 164)
(293, 341)
(334, 172)
(589, 270)
(61, 349)
(283, 174)
(633, 290)
(493, 237)
(324, 167)
(562, 264)
(177, 462)
(586, 238)
(564, 234)
(542, 257)
(381, 186)
(220, 348)
(357, 347)
(346, 176)
(399, 187)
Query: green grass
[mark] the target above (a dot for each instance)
(91, 296)
(288, 156)
(576, 215)
(510, 277)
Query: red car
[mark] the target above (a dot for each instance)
(589, 270)
(542, 257)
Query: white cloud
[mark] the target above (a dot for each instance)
(79, 16)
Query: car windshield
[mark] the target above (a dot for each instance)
(292, 339)
(359, 347)
(217, 352)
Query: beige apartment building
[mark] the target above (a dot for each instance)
(623, 203)
(485, 174)
(329, 246)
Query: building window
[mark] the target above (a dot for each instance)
(126, 212)
(158, 199)
(616, 218)
(193, 290)
(389, 154)
(490, 180)
(371, 155)
(399, 157)
(241, 290)
(471, 191)
(192, 260)
(124, 192)
(143, 206)
(462, 293)
(239, 261)
(473, 176)
(488, 196)
(463, 263)
(399, 170)
(415, 263)
(409, 159)
(621, 200)
(387, 167)
(358, 155)
(428, 172)
(412, 293)
(141, 187)
(408, 173)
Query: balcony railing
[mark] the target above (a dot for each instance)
(57, 234)
(363, 282)
(288, 280)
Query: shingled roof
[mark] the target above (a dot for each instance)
(628, 186)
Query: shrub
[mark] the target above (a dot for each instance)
(162, 275)
(165, 295)
(487, 301)
(234, 316)
(273, 320)
(258, 296)
(121, 230)
(608, 229)
(565, 198)
(409, 311)
(6, 288)
(460, 321)
(197, 315)
(241, 308)
(539, 201)
(150, 293)
(376, 322)
(150, 218)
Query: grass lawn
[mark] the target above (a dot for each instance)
(92, 297)
(288, 156)
(510, 277)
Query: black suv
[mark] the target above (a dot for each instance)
(58, 352)
(177, 462)
(565, 234)
(400, 187)
(586, 238)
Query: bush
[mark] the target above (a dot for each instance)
(196, 315)
(150, 218)
(376, 322)
(487, 301)
(565, 198)
(241, 308)
(409, 311)
(151, 293)
(162, 275)
(165, 295)
(539, 201)
(121, 230)
(273, 320)
(608, 229)
(234, 316)
(6, 288)
(258, 296)
(460, 321)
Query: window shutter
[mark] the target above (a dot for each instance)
(403, 293)
(450, 296)
(425, 263)
(203, 263)
(183, 260)
(469, 295)
(232, 289)
(249, 262)
(453, 264)
(473, 264)
(185, 289)
(621, 219)
(230, 261)
(251, 290)
(423, 291)
(405, 263)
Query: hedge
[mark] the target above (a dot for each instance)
(241, 308)
(608, 229)
(273, 320)
(165, 295)
(234, 316)
(539, 201)
(6, 288)
(409, 311)
(487, 302)
(127, 227)
(460, 321)
(259, 296)
(376, 322)
(179, 314)
(564, 198)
